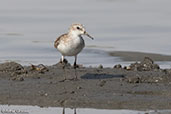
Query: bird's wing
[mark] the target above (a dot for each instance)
(57, 41)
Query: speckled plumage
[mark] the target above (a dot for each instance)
(71, 43)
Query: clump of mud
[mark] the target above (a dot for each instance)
(145, 71)
(18, 72)
(146, 65)
(15, 70)
(10, 67)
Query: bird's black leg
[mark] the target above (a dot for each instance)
(62, 59)
(75, 62)
(63, 112)
(75, 112)
(75, 66)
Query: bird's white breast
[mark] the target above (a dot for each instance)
(72, 46)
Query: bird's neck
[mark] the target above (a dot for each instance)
(74, 34)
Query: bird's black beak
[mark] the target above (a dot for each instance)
(88, 35)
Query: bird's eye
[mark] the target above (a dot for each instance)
(78, 28)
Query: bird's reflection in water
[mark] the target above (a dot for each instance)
(63, 112)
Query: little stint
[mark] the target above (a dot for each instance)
(71, 43)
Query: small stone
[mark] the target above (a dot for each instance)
(72, 92)
(42, 93)
(46, 94)
(20, 79)
(128, 68)
(124, 67)
(118, 66)
(79, 87)
(100, 66)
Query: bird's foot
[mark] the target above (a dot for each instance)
(77, 66)
(64, 61)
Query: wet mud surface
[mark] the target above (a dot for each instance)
(142, 85)
(138, 56)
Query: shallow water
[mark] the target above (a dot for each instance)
(16, 109)
(28, 29)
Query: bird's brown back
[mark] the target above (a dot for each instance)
(57, 41)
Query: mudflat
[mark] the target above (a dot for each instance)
(142, 85)
(138, 56)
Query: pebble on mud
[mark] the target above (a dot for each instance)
(43, 93)
(40, 68)
(127, 67)
(118, 66)
(78, 87)
(100, 66)
(72, 92)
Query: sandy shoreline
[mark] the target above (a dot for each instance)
(138, 86)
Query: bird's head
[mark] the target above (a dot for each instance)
(78, 29)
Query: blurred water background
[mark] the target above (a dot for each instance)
(28, 29)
